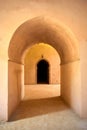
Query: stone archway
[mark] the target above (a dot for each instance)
(44, 30)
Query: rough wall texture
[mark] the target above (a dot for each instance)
(34, 55)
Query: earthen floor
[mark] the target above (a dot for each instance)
(44, 113)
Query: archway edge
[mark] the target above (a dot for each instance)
(46, 61)
(44, 29)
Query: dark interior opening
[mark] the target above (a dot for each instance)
(43, 72)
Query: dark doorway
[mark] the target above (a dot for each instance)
(43, 72)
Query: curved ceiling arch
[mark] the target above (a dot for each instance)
(41, 29)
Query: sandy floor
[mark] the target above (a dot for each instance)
(44, 114)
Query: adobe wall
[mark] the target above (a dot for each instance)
(15, 85)
(83, 55)
(3, 90)
(71, 13)
(71, 90)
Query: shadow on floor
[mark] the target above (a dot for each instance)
(36, 107)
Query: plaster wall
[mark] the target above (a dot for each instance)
(13, 13)
(16, 84)
(83, 54)
(71, 90)
(3, 90)
(34, 55)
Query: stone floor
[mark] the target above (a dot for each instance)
(44, 114)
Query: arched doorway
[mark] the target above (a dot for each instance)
(42, 72)
(58, 36)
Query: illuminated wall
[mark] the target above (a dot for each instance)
(34, 55)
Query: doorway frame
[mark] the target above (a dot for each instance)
(48, 81)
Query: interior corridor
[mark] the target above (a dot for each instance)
(39, 99)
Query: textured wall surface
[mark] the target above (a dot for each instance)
(34, 55)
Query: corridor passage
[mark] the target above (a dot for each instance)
(39, 99)
(47, 111)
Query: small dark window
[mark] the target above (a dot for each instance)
(43, 72)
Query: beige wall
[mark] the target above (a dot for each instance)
(83, 55)
(15, 85)
(34, 55)
(3, 90)
(71, 85)
(72, 14)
